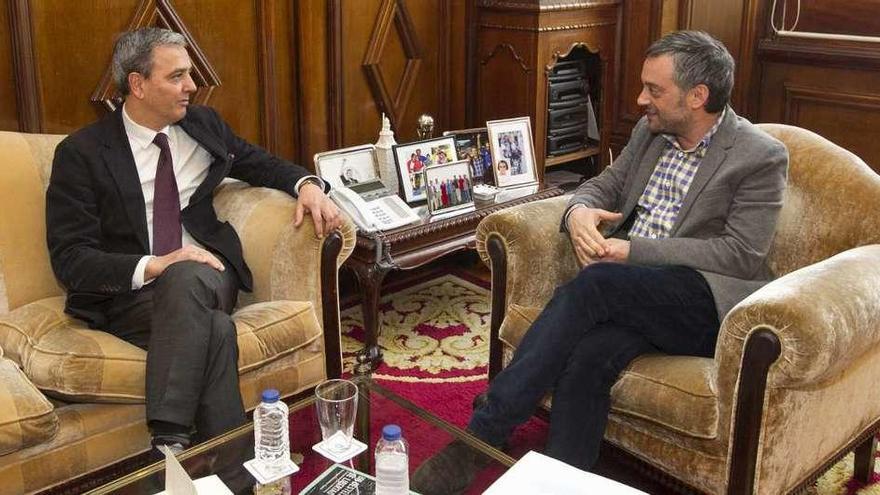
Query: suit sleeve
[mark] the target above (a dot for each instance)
(257, 166)
(73, 230)
(743, 245)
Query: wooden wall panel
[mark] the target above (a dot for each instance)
(857, 17)
(73, 43)
(841, 105)
(8, 105)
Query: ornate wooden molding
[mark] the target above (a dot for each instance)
(161, 13)
(28, 93)
(823, 53)
(557, 54)
(266, 57)
(545, 6)
(392, 13)
(500, 47)
(547, 29)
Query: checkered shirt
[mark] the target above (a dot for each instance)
(657, 208)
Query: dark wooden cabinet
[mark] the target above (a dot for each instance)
(517, 44)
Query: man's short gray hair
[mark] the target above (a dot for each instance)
(699, 59)
(133, 52)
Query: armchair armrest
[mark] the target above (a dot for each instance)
(538, 257)
(289, 263)
(825, 316)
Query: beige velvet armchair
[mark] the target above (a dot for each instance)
(792, 387)
(71, 398)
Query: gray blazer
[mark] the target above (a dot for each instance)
(727, 219)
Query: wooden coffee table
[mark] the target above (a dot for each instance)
(377, 406)
(413, 246)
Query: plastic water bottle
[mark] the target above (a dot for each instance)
(392, 463)
(271, 440)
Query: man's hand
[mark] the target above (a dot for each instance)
(589, 245)
(324, 212)
(616, 250)
(158, 264)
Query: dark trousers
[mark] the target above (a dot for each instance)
(182, 320)
(592, 328)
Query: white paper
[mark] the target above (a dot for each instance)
(178, 482)
(537, 474)
(354, 448)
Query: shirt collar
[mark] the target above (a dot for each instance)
(707, 138)
(139, 135)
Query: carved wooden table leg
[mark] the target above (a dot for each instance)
(370, 279)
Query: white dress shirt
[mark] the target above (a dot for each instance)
(191, 162)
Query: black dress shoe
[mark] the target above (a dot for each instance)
(449, 472)
(480, 401)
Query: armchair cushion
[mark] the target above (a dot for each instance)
(26, 417)
(674, 392)
(67, 360)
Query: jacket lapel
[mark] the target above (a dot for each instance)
(217, 148)
(119, 162)
(715, 156)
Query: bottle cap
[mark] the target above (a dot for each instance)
(271, 395)
(391, 433)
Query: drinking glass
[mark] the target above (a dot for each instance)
(337, 406)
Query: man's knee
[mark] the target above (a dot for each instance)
(598, 277)
(188, 275)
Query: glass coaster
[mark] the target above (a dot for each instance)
(264, 476)
(355, 448)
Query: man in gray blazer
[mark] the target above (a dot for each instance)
(671, 236)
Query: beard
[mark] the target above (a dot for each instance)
(667, 122)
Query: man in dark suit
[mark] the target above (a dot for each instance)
(671, 236)
(134, 238)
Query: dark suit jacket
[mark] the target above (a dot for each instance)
(95, 215)
(727, 220)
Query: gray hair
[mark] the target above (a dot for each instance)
(699, 59)
(133, 52)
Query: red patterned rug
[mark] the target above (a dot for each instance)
(435, 346)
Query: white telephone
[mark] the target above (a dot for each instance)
(384, 213)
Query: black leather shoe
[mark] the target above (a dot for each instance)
(450, 472)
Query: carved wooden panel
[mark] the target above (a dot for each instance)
(68, 48)
(846, 113)
(160, 13)
(396, 56)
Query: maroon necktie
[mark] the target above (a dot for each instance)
(166, 202)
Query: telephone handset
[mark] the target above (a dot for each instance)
(386, 212)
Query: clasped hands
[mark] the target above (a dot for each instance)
(589, 244)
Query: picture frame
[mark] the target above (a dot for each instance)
(412, 158)
(449, 187)
(513, 152)
(348, 166)
(473, 145)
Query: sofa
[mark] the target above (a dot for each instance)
(792, 386)
(71, 398)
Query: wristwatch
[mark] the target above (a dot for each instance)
(311, 180)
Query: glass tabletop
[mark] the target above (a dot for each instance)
(425, 433)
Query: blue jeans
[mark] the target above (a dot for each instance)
(591, 329)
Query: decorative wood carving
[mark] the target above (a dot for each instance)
(161, 13)
(557, 54)
(546, 29)
(543, 5)
(512, 50)
(392, 11)
(266, 57)
(27, 83)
